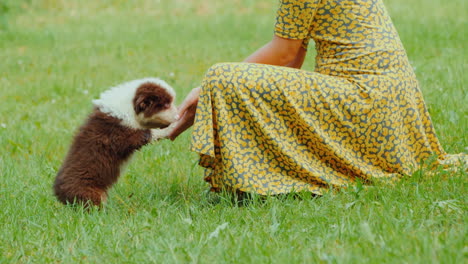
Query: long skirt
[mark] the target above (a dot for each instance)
(271, 130)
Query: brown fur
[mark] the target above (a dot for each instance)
(151, 99)
(102, 145)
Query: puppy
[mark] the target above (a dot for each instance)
(123, 120)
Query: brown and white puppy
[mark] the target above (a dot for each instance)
(121, 123)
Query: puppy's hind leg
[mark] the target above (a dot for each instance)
(88, 196)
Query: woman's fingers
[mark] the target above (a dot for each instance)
(191, 99)
(186, 113)
(184, 122)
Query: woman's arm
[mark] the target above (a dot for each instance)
(299, 59)
(281, 52)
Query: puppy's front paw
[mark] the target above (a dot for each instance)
(161, 133)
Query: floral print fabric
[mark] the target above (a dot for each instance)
(359, 115)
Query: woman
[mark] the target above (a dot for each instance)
(267, 129)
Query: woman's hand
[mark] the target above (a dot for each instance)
(186, 113)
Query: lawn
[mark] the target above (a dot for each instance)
(58, 55)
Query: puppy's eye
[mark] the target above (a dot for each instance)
(148, 102)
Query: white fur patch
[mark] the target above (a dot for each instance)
(161, 133)
(118, 100)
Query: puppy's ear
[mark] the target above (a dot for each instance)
(144, 102)
(140, 104)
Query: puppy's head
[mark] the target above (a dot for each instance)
(154, 105)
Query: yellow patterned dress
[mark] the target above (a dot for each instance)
(359, 115)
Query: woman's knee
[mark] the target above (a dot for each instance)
(219, 69)
(219, 73)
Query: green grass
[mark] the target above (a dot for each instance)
(57, 55)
